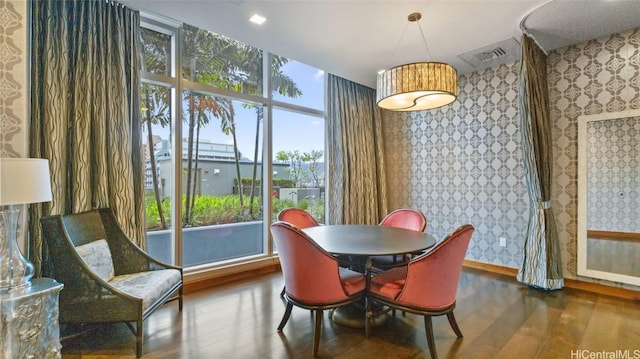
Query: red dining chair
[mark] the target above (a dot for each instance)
(427, 285)
(313, 278)
(299, 218)
(406, 218)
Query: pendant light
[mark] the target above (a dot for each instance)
(417, 86)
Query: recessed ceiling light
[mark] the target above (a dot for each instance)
(257, 19)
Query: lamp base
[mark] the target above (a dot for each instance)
(15, 270)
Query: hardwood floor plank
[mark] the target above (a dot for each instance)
(499, 317)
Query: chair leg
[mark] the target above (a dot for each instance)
(285, 317)
(139, 339)
(367, 323)
(180, 299)
(282, 292)
(454, 324)
(316, 332)
(431, 342)
(368, 314)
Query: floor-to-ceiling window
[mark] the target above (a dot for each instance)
(215, 136)
(298, 141)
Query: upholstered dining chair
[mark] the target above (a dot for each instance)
(406, 218)
(299, 218)
(427, 285)
(313, 278)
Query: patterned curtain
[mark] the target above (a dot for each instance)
(85, 112)
(542, 264)
(356, 181)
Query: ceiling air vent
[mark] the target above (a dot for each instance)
(502, 52)
(491, 55)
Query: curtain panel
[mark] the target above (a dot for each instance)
(356, 185)
(542, 264)
(85, 112)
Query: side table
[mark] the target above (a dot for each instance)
(29, 321)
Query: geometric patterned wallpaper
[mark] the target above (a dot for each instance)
(593, 77)
(613, 175)
(462, 163)
(13, 78)
(14, 88)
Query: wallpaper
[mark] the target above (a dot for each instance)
(462, 163)
(613, 175)
(601, 75)
(13, 84)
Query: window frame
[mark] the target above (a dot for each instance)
(177, 84)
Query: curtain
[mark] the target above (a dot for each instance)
(542, 264)
(356, 180)
(85, 112)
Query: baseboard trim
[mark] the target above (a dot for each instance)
(488, 267)
(568, 283)
(603, 289)
(598, 288)
(195, 285)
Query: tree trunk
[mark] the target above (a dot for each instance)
(152, 161)
(237, 155)
(187, 212)
(195, 169)
(255, 159)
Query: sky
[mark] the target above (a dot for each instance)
(292, 131)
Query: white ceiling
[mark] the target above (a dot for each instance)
(355, 39)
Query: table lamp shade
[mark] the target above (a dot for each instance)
(24, 180)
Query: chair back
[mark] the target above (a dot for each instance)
(297, 217)
(432, 278)
(406, 218)
(311, 275)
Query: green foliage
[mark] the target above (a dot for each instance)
(300, 175)
(277, 182)
(283, 183)
(210, 210)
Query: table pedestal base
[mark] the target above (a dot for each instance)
(353, 316)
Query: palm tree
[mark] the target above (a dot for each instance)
(156, 110)
(281, 84)
(155, 113)
(224, 63)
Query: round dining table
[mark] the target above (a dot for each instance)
(368, 240)
(360, 243)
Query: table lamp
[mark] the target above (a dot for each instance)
(22, 181)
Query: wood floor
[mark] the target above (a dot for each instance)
(499, 317)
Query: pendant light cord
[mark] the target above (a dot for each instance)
(424, 39)
(415, 17)
(393, 56)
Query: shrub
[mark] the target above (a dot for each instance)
(209, 210)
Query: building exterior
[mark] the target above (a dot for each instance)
(216, 171)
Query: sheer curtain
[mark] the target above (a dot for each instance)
(85, 112)
(542, 264)
(356, 180)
